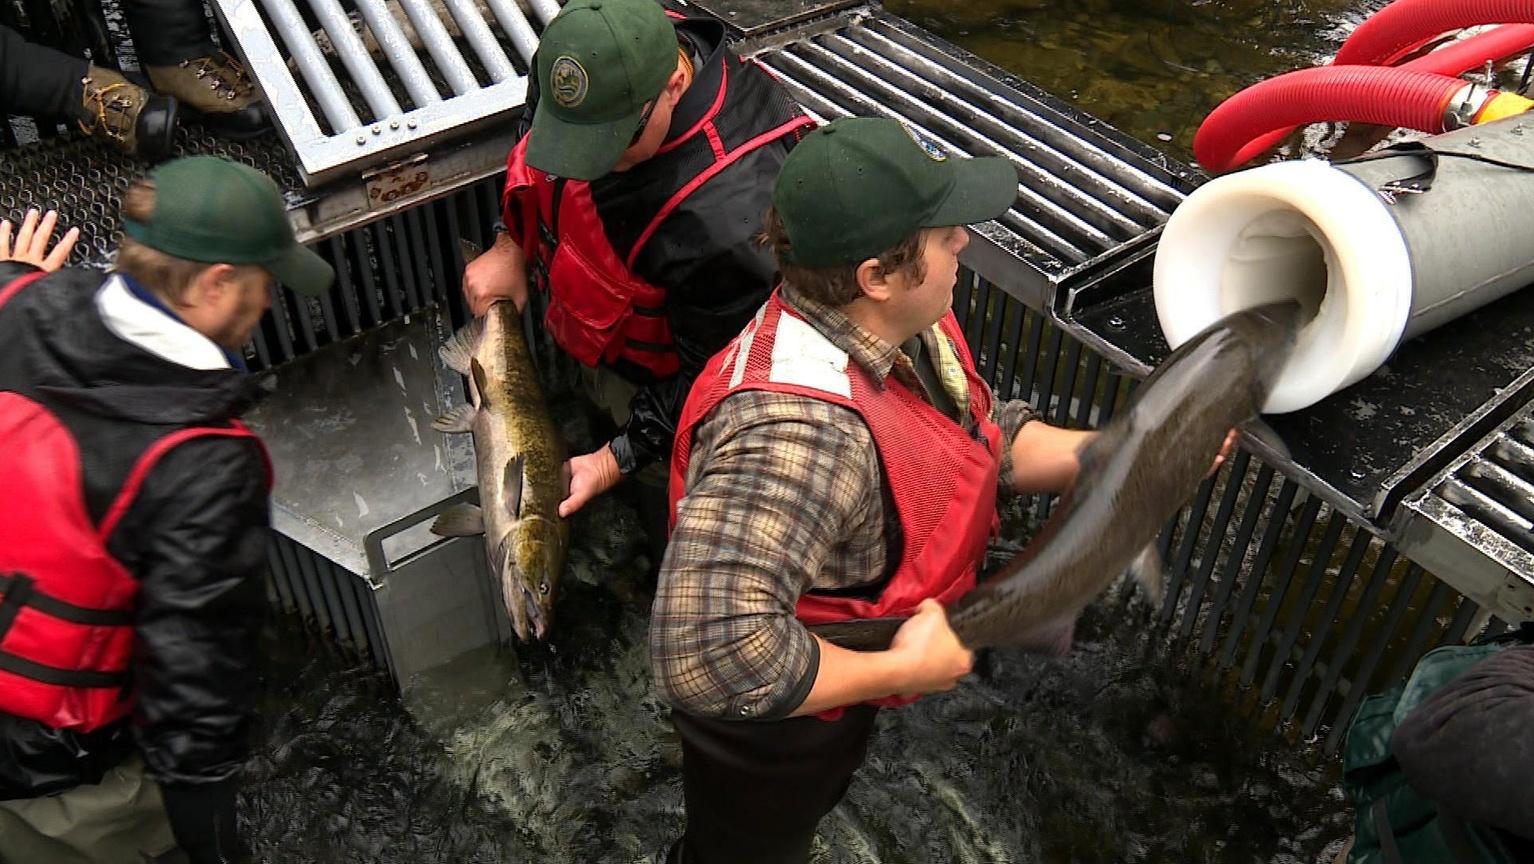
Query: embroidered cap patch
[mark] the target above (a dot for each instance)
(567, 78)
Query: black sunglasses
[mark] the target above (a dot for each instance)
(644, 120)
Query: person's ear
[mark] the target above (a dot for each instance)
(213, 285)
(676, 85)
(873, 281)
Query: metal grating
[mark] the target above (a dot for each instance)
(1475, 518)
(394, 79)
(1083, 191)
(329, 601)
(84, 180)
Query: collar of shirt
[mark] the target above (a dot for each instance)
(148, 298)
(875, 355)
(697, 36)
(878, 357)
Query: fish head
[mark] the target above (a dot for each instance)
(530, 560)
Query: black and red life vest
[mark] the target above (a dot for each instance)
(942, 476)
(600, 311)
(66, 605)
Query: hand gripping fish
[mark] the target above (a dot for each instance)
(520, 460)
(1135, 475)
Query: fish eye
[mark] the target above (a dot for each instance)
(543, 587)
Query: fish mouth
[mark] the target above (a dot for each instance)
(527, 618)
(534, 615)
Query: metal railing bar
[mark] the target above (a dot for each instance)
(323, 84)
(477, 33)
(354, 55)
(440, 46)
(1302, 528)
(396, 46)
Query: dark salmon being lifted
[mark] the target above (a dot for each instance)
(1143, 467)
(520, 460)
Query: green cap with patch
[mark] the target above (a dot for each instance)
(853, 189)
(212, 210)
(599, 63)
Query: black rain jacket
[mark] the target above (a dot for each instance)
(195, 538)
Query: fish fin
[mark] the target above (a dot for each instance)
(469, 249)
(1265, 436)
(459, 520)
(1051, 640)
(458, 350)
(477, 373)
(460, 419)
(1149, 573)
(512, 480)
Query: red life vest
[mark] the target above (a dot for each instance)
(66, 605)
(600, 311)
(942, 477)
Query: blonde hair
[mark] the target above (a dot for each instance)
(838, 285)
(165, 275)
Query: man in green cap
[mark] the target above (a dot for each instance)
(133, 527)
(634, 198)
(839, 460)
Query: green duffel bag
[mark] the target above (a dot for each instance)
(1394, 824)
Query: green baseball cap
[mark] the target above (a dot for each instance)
(599, 62)
(856, 187)
(209, 209)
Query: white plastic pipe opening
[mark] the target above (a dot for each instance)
(1302, 230)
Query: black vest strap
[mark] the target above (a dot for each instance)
(12, 584)
(18, 591)
(61, 677)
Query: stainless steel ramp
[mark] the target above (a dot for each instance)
(1474, 519)
(360, 477)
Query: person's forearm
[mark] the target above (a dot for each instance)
(1044, 457)
(849, 677)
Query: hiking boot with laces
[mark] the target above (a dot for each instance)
(217, 90)
(132, 118)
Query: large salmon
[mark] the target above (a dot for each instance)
(1143, 467)
(520, 459)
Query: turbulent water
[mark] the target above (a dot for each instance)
(564, 754)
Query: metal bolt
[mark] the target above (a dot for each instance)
(1116, 323)
(393, 124)
(1517, 128)
(361, 140)
(376, 129)
(1474, 142)
(409, 124)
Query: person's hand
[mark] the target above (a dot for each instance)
(931, 655)
(31, 241)
(499, 274)
(590, 476)
(1226, 449)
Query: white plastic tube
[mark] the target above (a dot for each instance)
(1372, 270)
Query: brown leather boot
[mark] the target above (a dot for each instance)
(117, 110)
(217, 90)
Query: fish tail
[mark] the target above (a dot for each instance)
(1149, 573)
